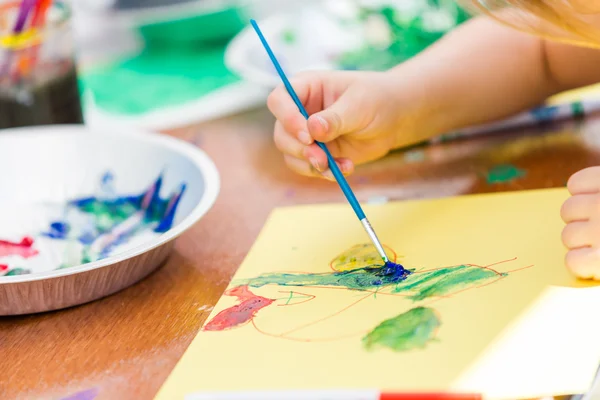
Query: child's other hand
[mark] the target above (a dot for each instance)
(360, 116)
(581, 213)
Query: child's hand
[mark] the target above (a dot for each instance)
(361, 116)
(581, 212)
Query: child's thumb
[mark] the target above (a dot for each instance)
(343, 116)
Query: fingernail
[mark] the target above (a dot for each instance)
(345, 168)
(305, 137)
(328, 175)
(315, 163)
(323, 123)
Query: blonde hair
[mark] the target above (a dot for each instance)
(559, 20)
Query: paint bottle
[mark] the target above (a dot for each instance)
(38, 76)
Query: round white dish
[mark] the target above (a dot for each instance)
(46, 168)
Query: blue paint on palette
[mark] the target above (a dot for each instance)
(112, 220)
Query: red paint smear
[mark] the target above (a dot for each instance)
(241, 313)
(24, 248)
(3, 267)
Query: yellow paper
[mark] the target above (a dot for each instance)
(312, 338)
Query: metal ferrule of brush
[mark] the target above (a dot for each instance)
(374, 239)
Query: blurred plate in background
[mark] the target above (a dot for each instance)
(370, 35)
(176, 75)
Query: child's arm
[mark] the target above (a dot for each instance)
(484, 71)
(481, 72)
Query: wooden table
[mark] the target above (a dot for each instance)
(125, 346)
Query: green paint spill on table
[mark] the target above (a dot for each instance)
(158, 78)
(503, 174)
(411, 330)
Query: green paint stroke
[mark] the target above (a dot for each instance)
(444, 281)
(158, 78)
(411, 330)
(17, 271)
(289, 36)
(503, 174)
(420, 285)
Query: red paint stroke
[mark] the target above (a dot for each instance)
(24, 248)
(3, 267)
(240, 314)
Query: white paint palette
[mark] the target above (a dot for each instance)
(86, 213)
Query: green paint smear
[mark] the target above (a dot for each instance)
(107, 215)
(444, 281)
(413, 329)
(17, 271)
(159, 77)
(409, 37)
(289, 36)
(421, 285)
(504, 174)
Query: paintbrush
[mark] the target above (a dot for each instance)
(24, 11)
(341, 180)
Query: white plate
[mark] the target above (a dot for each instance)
(45, 167)
(319, 41)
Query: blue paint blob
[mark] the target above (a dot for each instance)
(58, 230)
(169, 215)
(391, 268)
(107, 178)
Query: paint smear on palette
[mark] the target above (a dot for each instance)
(89, 394)
(24, 248)
(91, 228)
(504, 174)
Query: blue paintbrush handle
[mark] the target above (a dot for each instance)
(341, 180)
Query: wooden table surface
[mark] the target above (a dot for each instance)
(125, 346)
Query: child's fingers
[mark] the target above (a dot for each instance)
(345, 165)
(347, 114)
(286, 143)
(584, 263)
(586, 181)
(577, 234)
(301, 166)
(580, 207)
(285, 111)
(317, 154)
(317, 157)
